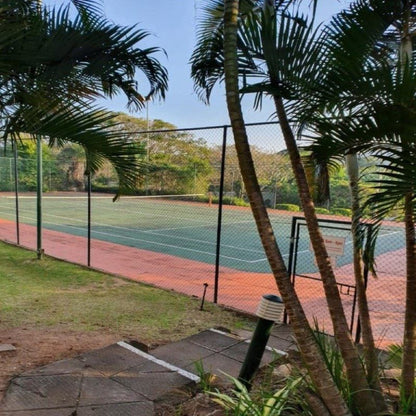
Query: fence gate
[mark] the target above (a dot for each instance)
(305, 275)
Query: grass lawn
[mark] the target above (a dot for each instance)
(50, 309)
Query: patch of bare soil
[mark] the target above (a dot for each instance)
(35, 348)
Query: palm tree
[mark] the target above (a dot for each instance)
(378, 86)
(264, 53)
(52, 67)
(317, 369)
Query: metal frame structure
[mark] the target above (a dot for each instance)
(345, 289)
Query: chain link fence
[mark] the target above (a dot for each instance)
(189, 227)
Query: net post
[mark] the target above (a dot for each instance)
(219, 221)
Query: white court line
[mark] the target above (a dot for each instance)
(169, 215)
(156, 233)
(263, 259)
(162, 363)
(150, 242)
(208, 224)
(129, 211)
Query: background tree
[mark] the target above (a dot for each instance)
(51, 69)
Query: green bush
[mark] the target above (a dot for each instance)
(227, 200)
(346, 212)
(288, 207)
(320, 210)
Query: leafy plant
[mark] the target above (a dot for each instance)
(395, 359)
(335, 363)
(320, 210)
(206, 378)
(241, 403)
(288, 207)
(341, 211)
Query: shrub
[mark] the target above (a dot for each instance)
(320, 210)
(341, 211)
(288, 207)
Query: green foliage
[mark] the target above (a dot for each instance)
(335, 364)
(288, 207)
(206, 378)
(395, 355)
(241, 403)
(55, 63)
(229, 200)
(395, 359)
(320, 210)
(346, 212)
(287, 193)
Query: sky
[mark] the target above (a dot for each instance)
(172, 26)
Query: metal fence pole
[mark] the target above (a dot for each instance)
(89, 219)
(16, 191)
(219, 221)
(292, 254)
(39, 177)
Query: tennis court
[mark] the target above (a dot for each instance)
(171, 243)
(180, 227)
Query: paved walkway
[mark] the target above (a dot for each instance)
(123, 380)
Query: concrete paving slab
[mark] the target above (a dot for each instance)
(283, 331)
(218, 364)
(147, 367)
(155, 385)
(238, 352)
(281, 344)
(213, 340)
(102, 390)
(70, 366)
(120, 409)
(69, 411)
(42, 392)
(119, 380)
(111, 360)
(181, 353)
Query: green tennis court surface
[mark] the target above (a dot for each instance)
(181, 228)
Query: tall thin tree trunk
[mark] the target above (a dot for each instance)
(362, 397)
(409, 339)
(370, 353)
(409, 336)
(303, 333)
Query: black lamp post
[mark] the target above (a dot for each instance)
(270, 310)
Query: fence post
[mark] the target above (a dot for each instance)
(16, 191)
(219, 221)
(39, 177)
(293, 238)
(89, 219)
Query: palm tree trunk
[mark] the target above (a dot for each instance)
(303, 333)
(362, 397)
(409, 339)
(370, 354)
(409, 336)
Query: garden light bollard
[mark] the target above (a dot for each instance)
(270, 310)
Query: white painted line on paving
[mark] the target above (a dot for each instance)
(162, 363)
(217, 331)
